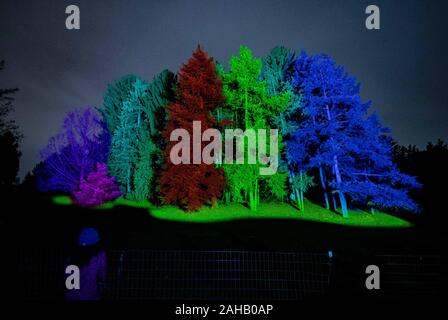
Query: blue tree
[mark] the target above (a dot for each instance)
(73, 153)
(338, 138)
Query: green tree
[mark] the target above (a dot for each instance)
(300, 184)
(147, 158)
(249, 106)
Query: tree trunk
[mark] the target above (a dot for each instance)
(338, 175)
(341, 194)
(246, 114)
(324, 187)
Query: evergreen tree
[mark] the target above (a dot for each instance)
(136, 144)
(148, 157)
(97, 188)
(124, 148)
(277, 67)
(199, 91)
(115, 96)
(160, 94)
(337, 137)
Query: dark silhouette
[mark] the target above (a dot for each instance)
(430, 168)
(9, 141)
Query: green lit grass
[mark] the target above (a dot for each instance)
(62, 200)
(271, 210)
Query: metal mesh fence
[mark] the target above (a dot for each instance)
(211, 275)
(226, 275)
(218, 275)
(411, 275)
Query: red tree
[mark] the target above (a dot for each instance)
(199, 91)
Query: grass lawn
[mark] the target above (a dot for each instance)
(269, 210)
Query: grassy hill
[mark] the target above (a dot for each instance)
(269, 210)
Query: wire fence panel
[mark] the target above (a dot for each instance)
(229, 275)
(211, 275)
(411, 275)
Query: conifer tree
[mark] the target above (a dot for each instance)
(277, 67)
(97, 188)
(199, 91)
(136, 143)
(160, 93)
(124, 146)
(148, 157)
(339, 138)
(115, 96)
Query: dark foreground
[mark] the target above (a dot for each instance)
(277, 261)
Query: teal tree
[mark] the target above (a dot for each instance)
(277, 66)
(135, 149)
(115, 96)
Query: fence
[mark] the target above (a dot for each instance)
(225, 275)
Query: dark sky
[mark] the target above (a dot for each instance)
(402, 67)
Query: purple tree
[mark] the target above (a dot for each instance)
(97, 188)
(73, 153)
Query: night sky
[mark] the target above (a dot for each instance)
(402, 67)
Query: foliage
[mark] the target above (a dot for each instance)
(300, 183)
(327, 133)
(338, 137)
(429, 166)
(9, 144)
(136, 143)
(70, 155)
(250, 107)
(199, 91)
(276, 69)
(9, 139)
(148, 155)
(161, 92)
(97, 188)
(124, 146)
(114, 98)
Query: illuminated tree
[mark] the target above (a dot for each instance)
(114, 98)
(148, 155)
(124, 147)
(160, 93)
(249, 106)
(150, 144)
(137, 112)
(97, 188)
(277, 67)
(199, 91)
(70, 155)
(337, 137)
